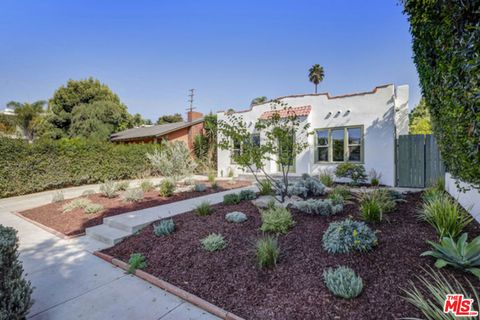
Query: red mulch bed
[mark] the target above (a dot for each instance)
(231, 280)
(73, 223)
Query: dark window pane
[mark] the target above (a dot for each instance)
(322, 138)
(322, 153)
(354, 135)
(256, 139)
(354, 153)
(337, 141)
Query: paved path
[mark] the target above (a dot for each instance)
(71, 283)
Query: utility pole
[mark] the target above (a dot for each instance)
(190, 100)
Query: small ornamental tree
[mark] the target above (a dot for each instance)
(283, 138)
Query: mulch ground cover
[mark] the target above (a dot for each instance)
(73, 223)
(294, 289)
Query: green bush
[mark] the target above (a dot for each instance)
(336, 198)
(318, 207)
(212, 176)
(93, 208)
(267, 252)
(247, 195)
(108, 189)
(214, 242)
(236, 217)
(371, 210)
(75, 204)
(164, 228)
(355, 172)
(204, 209)
(133, 195)
(45, 165)
(459, 254)
(265, 188)
(343, 282)
(147, 186)
(122, 185)
(277, 220)
(342, 191)
(15, 291)
(327, 177)
(231, 198)
(167, 187)
(136, 261)
(200, 187)
(374, 204)
(215, 185)
(347, 236)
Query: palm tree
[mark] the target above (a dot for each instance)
(27, 114)
(258, 100)
(316, 75)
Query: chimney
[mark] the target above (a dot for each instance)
(193, 115)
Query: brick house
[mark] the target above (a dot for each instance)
(177, 131)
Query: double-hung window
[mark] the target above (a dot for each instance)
(237, 148)
(343, 144)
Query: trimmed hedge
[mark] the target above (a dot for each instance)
(44, 165)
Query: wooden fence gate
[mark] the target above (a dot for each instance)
(418, 161)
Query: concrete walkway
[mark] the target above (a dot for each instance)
(71, 283)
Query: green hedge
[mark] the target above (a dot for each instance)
(44, 165)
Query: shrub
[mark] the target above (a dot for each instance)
(374, 204)
(214, 242)
(344, 192)
(58, 197)
(93, 208)
(265, 188)
(204, 209)
(343, 282)
(318, 207)
(327, 177)
(336, 198)
(215, 185)
(122, 185)
(374, 177)
(277, 220)
(306, 186)
(136, 261)
(236, 217)
(88, 192)
(445, 215)
(247, 195)
(108, 189)
(164, 228)
(348, 235)
(167, 187)
(76, 204)
(200, 187)
(133, 195)
(231, 198)
(267, 252)
(15, 290)
(46, 165)
(147, 185)
(371, 210)
(212, 176)
(431, 194)
(355, 172)
(458, 254)
(429, 296)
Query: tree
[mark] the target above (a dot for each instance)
(136, 121)
(27, 116)
(258, 100)
(284, 137)
(419, 119)
(7, 124)
(205, 144)
(177, 117)
(316, 75)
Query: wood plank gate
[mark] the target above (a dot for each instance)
(418, 161)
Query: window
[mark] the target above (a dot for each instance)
(256, 139)
(339, 144)
(237, 145)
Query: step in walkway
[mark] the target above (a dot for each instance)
(116, 228)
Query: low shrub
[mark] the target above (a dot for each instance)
(343, 282)
(347, 236)
(374, 177)
(342, 191)
(307, 186)
(167, 187)
(276, 220)
(15, 290)
(428, 296)
(215, 185)
(371, 210)
(214, 242)
(374, 204)
(136, 261)
(247, 195)
(133, 195)
(265, 188)
(93, 208)
(122, 185)
(459, 254)
(164, 228)
(327, 177)
(204, 209)
(76, 204)
(109, 189)
(267, 252)
(88, 192)
(354, 172)
(445, 215)
(212, 176)
(336, 198)
(200, 187)
(58, 197)
(147, 185)
(231, 198)
(236, 217)
(432, 193)
(318, 207)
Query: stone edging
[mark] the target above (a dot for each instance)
(48, 229)
(191, 298)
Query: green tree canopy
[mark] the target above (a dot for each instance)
(137, 120)
(27, 115)
(177, 117)
(316, 75)
(258, 100)
(419, 119)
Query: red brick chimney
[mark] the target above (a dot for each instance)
(193, 115)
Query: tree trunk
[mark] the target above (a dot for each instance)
(316, 87)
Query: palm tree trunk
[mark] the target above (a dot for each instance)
(316, 87)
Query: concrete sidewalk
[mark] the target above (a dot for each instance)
(71, 283)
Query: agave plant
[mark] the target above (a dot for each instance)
(458, 254)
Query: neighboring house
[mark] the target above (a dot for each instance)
(177, 131)
(358, 128)
(8, 111)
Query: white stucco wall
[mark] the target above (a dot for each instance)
(381, 112)
(470, 200)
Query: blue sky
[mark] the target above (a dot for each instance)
(151, 52)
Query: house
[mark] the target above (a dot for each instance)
(177, 131)
(8, 111)
(359, 128)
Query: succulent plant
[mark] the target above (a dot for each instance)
(164, 228)
(236, 217)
